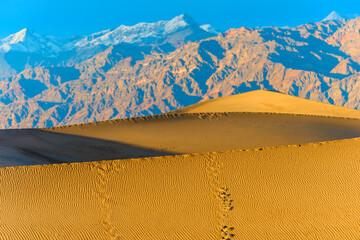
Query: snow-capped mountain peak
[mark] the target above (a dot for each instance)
(179, 22)
(333, 16)
(15, 38)
(210, 29)
(139, 33)
(29, 41)
(18, 37)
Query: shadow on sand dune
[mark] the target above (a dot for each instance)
(34, 146)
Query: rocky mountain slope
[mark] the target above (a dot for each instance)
(318, 61)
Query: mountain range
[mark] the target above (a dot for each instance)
(27, 49)
(152, 68)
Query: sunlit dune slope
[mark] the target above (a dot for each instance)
(291, 192)
(269, 101)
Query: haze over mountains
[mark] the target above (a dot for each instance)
(158, 67)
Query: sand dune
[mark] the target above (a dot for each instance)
(235, 173)
(168, 135)
(292, 192)
(213, 132)
(269, 101)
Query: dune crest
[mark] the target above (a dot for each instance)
(269, 101)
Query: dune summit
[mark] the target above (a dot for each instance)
(259, 165)
(269, 101)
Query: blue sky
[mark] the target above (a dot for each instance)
(65, 18)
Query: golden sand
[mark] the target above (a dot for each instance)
(279, 180)
(293, 192)
(268, 101)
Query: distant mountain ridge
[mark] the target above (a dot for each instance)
(32, 49)
(317, 61)
(140, 33)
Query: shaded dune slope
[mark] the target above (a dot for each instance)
(291, 192)
(33, 146)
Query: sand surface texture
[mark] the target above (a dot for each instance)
(237, 175)
(295, 192)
